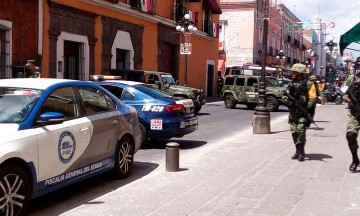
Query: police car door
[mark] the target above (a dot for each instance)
(104, 116)
(252, 86)
(63, 148)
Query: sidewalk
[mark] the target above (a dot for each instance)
(248, 175)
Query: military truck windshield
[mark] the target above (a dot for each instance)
(168, 79)
(272, 81)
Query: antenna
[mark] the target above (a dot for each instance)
(294, 8)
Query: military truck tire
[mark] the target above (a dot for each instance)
(251, 106)
(230, 102)
(197, 107)
(272, 103)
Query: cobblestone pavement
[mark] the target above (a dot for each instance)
(248, 174)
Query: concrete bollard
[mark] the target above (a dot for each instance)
(172, 157)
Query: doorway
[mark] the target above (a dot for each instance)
(210, 80)
(71, 60)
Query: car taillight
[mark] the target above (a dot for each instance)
(175, 108)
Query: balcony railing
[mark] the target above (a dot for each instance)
(144, 6)
(211, 28)
(180, 11)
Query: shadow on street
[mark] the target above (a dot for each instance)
(85, 191)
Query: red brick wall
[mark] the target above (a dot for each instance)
(24, 17)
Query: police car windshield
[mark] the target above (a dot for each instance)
(17, 103)
(151, 92)
(168, 79)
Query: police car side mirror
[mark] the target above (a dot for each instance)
(50, 118)
(167, 85)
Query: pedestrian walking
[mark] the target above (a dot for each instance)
(353, 124)
(34, 71)
(298, 91)
(313, 94)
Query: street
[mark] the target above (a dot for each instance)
(215, 123)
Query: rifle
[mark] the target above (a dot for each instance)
(353, 93)
(300, 108)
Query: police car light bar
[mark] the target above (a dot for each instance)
(104, 77)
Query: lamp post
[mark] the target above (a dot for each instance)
(308, 66)
(347, 60)
(186, 26)
(321, 71)
(280, 57)
(261, 118)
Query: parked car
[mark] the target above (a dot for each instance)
(164, 82)
(161, 116)
(56, 132)
(243, 89)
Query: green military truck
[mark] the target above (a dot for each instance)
(164, 82)
(243, 89)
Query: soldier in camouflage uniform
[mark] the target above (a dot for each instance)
(298, 90)
(352, 127)
(34, 71)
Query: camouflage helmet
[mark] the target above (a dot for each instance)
(298, 67)
(313, 77)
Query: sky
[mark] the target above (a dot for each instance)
(338, 15)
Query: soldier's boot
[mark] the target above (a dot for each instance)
(301, 152)
(352, 141)
(355, 161)
(296, 155)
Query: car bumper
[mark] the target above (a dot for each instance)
(173, 128)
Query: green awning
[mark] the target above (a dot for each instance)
(353, 35)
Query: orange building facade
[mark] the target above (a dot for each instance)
(86, 37)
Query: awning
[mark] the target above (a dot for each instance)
(212, 5)
(221, 65)
(353, 35)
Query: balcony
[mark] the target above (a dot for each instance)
(180, 11)
(211, 28)
(287, 38)
(145, 7)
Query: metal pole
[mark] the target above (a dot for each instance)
(172, 157)
(261, 119)
(185, 75)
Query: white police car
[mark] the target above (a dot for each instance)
(56, 132)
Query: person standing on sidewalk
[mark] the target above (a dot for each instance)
(353, 124)
(313, 94)
(34, 71)
(298, 90)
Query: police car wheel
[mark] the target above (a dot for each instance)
(14, 190)
(272, 103)
(124, 158)
(230, 102)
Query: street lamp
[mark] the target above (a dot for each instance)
(308, 67)
(321, 71)
(331, 45)
(280, 57)
(186, 26)
(347, 60)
